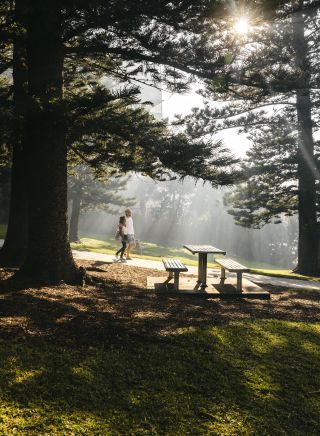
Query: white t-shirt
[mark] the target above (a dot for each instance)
(129, 224)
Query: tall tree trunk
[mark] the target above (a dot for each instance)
(14, 247)
(307, 168)
(5, 177)
(74, 220)
(48, 257)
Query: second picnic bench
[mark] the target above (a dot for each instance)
(232, 266)
(174, 267)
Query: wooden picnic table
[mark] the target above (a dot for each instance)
(203, 251)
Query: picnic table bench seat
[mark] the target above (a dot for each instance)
(232, 266)
(174, 267)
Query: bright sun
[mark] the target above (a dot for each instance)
(241, 26)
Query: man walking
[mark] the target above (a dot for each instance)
(131, 239)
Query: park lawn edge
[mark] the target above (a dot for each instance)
(287, 274)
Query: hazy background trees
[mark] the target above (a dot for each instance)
(87, 192)
(174, 213)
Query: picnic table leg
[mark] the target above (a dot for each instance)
(204, 270)
(200, 262)
(170, 275)
(239, 282)
(223, 273)
(176, 281)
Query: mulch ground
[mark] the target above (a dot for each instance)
(116, 306)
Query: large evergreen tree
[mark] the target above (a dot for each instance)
(52, 31)
(273, 79)
(13, 119)
(48, 254)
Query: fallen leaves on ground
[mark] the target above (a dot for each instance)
(118, 304)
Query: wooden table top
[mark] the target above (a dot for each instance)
(204, 249)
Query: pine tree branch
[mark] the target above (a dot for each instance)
(124, 76)
(136, 56)
(79, 154)
(251, 109)
(239, 126)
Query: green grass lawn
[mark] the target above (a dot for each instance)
(285, 273)
(246, 378)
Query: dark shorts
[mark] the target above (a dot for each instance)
(130, 239)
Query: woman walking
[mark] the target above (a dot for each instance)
(123, 233)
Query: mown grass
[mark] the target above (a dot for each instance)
(260, 377)
(284, 273)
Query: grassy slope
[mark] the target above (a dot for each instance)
(260, 377)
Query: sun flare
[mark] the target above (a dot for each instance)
(241, 26)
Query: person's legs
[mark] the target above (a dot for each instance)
(130, 245)
(123, 248)
(119, 251)
(129, 248)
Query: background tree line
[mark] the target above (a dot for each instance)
(173, 213)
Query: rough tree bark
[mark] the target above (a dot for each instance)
(14, 247)
(74, 220)
(308, 262)
(48, 257)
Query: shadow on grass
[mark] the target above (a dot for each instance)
(251, 378)
(116, 359)
(119, 298)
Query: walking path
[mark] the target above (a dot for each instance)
(153, 264)
(145, 263)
